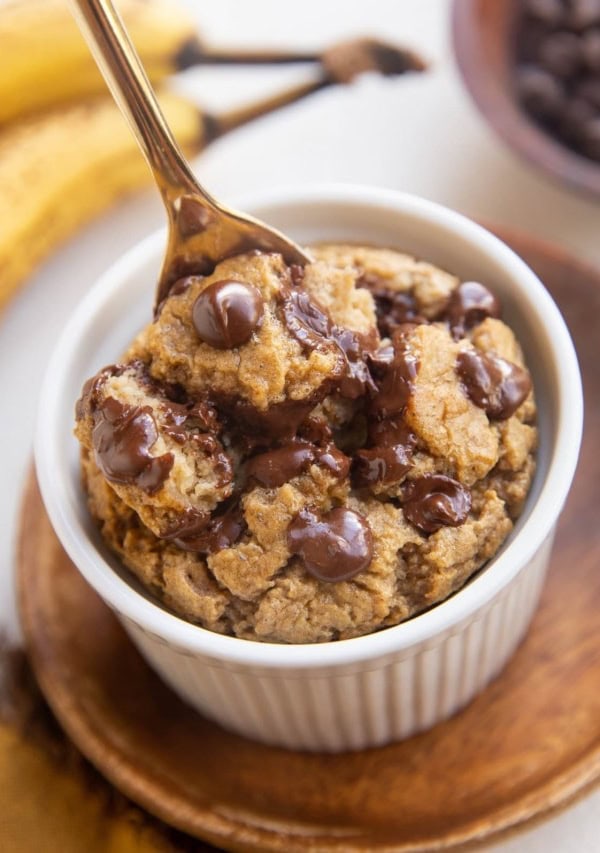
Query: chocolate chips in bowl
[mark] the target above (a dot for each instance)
(557, 73)
(533, 70)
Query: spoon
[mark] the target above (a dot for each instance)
(202, 231)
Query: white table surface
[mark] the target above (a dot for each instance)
(419, 134)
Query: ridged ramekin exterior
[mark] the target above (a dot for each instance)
(363, 704)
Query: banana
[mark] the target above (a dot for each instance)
(44, 61)
(60, 169)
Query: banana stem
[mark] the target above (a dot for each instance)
(194, 53)
(221, 124)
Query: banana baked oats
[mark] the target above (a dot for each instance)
(300, 455)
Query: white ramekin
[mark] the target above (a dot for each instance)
(370, 690)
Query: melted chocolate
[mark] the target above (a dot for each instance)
(280, 422)
(392, 307)
(122, 438)
(187, 524)
(276, 467)
(199, 532)
(381, 465)
(396, 386)
(226, 313)
(389, 459)
(297, 274)
(316, 431)
(193, 217)
(434, 501)
(311, 326)
(334, 546)
(356, 378)
(495, 385)
(304, 319)
(469, 305)
(182, 418)
(279, 466)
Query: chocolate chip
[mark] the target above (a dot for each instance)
(492, 383)
(392, 307)
(227, 313)
(381, 465)
(276, 467)
(434, 501)
(388, 460)
(304, 319)
(589, 90)
(279, 466)
(356, 378)
(584, 13)
(549, 12)
(590, 138)
(184, 420)
(576, 114)
(200, 533)
(560, 54)
(396, 386)
(590, 49)
(193, 217)
(539, 91)
(122, 438)
(333, 546)
(469, 304)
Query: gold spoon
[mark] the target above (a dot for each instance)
(202, 231)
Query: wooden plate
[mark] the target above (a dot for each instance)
(527, 746)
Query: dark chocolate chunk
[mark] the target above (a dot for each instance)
(226, 313)
(469, 304)
(356, 378)
(334, 546)
(549, 12)
(183, 420)
(193, 216)
(381, 465)
(187, 524)
(583, 13)
(204, 534)
(304, 319)
(279, 466)
(122, 437)
(590, 49)
(388, 460)
(396, 386)
(280, 422)
(492, 383)
(560, 54)
(434, 501)
(539, 92)
(392, 307)
(276, 467)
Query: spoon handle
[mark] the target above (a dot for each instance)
(107, 38)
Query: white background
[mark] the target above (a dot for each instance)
(419, 134)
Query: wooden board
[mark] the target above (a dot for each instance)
(526, 747)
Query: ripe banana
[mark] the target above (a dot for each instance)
(59, 170)
(44, 61)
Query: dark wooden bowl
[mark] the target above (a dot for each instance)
(483, 38)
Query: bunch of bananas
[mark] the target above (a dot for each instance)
(65, 151)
